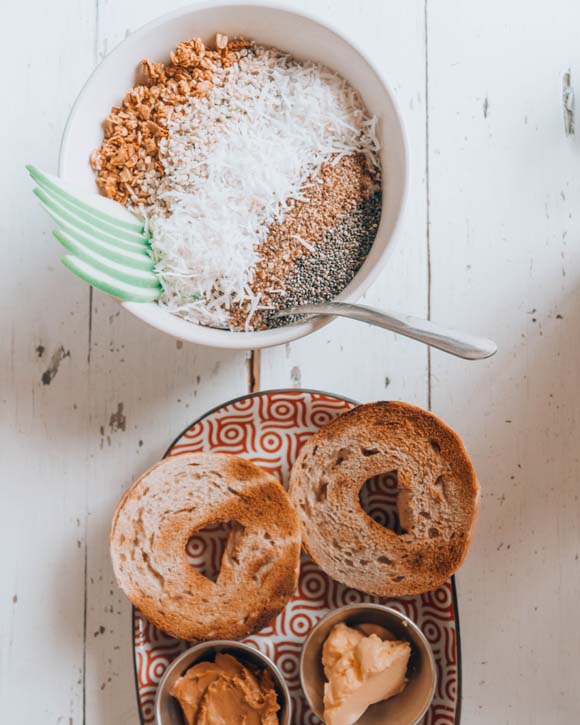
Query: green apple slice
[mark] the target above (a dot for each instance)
(71, 222)
(106, 283)
(83, 215)
(107, 210)
(122, 272)
(135, 259)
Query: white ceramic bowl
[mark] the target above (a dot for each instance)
(305, 37)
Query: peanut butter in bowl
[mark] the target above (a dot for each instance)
(226, 691)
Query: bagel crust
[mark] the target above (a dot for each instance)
(180, 496)
(437, 499)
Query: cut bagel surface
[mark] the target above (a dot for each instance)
(180, 496)
(437, 498)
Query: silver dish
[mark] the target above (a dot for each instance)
(168, 710)
(405, 709)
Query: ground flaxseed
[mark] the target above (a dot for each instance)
(323, 275)
(338, 191)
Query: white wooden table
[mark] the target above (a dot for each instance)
(89, 397)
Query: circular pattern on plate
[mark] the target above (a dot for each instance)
(247, 427)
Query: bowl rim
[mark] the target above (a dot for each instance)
(223, 644)
(237, 340)
(361, 607)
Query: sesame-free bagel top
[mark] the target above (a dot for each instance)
(437, 499)
(181, 495)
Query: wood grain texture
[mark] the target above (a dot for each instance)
(145, 388)
(89, 397)
(43, 379)
(505, 188)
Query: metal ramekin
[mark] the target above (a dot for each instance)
(405, 709)
(167, 709)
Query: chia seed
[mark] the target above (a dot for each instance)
(320, 244)
(322, 275)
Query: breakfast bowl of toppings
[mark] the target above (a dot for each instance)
(368, 664)
(263, 154)
(222, 682)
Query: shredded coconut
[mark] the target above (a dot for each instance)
(233, 162)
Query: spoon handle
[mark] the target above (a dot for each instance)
(456, 343)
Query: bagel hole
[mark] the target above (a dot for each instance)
(378, 498)
(205, 548)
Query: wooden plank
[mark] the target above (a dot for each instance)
(348, 357)
(145, 388)
(43, 374)
(112, 667)
(505, 184)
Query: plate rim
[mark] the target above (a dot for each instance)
(310, 391)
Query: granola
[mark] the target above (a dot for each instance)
(128, 162)
(257, 175)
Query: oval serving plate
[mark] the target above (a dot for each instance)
(269, 429)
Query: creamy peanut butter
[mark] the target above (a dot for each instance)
(226, 692)
(362, 666)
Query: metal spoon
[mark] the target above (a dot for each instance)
(456, 343)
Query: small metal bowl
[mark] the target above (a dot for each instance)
(168, 710)
(405, 709)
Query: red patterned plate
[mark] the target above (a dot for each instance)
(269, 429)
